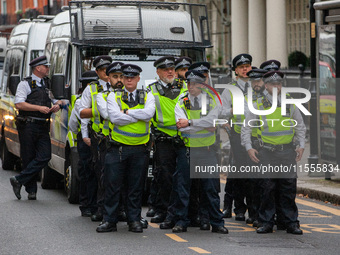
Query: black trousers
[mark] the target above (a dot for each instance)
(87, 180)
(165, 157)
(124, 164)
(35, 152)
(240, 186)
(283, 189)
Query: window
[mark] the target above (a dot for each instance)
(12, 67)
(4, 6)
(58, 58)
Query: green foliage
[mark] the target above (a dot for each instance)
(296, 58)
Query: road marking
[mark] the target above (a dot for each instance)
(199, 250)
(154, 225)
(176, 238)
(317, 206)
(323, 228)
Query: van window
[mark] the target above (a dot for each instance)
(58, 58)
(14, 62)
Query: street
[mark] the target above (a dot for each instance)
(50, 225)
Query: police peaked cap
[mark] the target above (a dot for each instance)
(273, 76)
(242, 59)
(165, 62)
(88, 76)
(202, 67)
(130, 70)
(271, 65)
(115, 67)
(183, 62)
(42, 60)
(256, 73)
(195, 76)
(102, 61)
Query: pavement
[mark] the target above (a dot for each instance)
(314, 185)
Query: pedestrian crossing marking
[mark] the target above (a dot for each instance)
(176, 238)
(199, 250)
(317, 206)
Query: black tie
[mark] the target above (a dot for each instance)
(131, 98)
(196, 104)
(42, 83)
(108, 85)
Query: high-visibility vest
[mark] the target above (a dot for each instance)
(201, 138)
(105, 123)
(273, 132)
(95, 119)
(133, 133)
(164, 119)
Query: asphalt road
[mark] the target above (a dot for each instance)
(50, 225)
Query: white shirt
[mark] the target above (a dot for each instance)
(300, 128)
(24, 90)
(102, 105)
(73, 121)
(86, 100)
(121, 119)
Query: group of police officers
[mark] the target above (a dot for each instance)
(117, 126)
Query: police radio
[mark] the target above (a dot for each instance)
(160, 89)
(186, 102)
(266, 103)
(141, 96)
(125, 96)
(179, 83)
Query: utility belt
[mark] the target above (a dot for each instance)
(176, 140)
(278, 147)
(28, 119)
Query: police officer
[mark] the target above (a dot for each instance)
(87, 178)
(88, 109)
(181, 66)
(115, 74)
(257, 84)
(274, 65)
(166, 92)
(199, 136)
(130, 111)
(277, 149)
(34, 102)
(241, 66)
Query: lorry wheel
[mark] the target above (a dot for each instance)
(7, 158)
(71, 183)
(50, 179)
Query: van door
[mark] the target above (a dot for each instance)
(60, 67)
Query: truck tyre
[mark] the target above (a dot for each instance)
(71, 180)
(50, 179)
(7, 158)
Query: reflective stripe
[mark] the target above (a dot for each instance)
(168, 127)
(128, 133)
(158, 104)
(198, 135)
(277, 133)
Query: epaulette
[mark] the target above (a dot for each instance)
(32, 83)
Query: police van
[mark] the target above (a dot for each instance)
(26, 42)
(129, 31)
